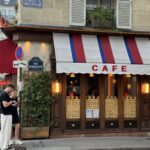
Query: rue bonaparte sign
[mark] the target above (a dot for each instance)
(35, 64)
(32, 3)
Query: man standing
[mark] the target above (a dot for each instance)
(6, 116)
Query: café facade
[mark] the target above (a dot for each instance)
(103, 79)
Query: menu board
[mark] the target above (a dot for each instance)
(89, 113)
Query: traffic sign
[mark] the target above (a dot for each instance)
(19, 64)
(19, 53)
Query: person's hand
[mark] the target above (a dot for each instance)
(14, 103)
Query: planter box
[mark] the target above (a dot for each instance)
(34, 132)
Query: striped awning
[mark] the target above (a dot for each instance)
(100, 54)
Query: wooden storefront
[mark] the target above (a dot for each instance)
(99, 98)
(116, 106)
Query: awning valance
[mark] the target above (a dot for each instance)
(7, 55)
(76, 53)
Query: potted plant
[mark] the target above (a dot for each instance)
(101, 17)
(35, 106)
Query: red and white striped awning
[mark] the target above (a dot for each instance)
(100, 54)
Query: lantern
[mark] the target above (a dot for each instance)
(56, 87)
(145, 88)
(72, 75)
(91, 75)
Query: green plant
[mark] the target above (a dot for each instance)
(36, 99)
(104, 15)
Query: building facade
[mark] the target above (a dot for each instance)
(98, 51)
(7, 10)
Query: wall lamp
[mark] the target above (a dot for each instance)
(56, 87)
(145, 88)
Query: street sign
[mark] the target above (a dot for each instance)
(19, 64)
(19, 53)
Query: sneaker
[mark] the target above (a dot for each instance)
(11, 143)
(18, 142)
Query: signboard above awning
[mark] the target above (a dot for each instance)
(76, 53)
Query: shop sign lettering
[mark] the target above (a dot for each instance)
(106, 68)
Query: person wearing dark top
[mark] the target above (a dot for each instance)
(15, 120)
(6, 116)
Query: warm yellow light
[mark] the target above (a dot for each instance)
(72, 75)
(114, 81)
(145, 88)
(27, 44)
(110, 75)
(128, 86)
(56, 87)
(43, 47)
(128, 76)
(91, 75)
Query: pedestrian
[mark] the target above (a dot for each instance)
(15, 121)
(6, 116)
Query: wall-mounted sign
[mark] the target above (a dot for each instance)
(32, 3)
(19, 64)
(19, 53)
(35, 64)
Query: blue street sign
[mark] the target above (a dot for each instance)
(19, 53)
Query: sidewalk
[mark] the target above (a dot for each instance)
(90, 143)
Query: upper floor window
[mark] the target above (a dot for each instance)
(90, 4)
(3, 12)
(11, 13)
(101, 13)
(6, 2)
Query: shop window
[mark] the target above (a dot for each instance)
(92, 102)
(112, 85)
(93, 86)
(130, 85)
(73, 85)
(130, 101)
(111, 101)
(73, 102)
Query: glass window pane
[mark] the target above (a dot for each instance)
(130, 99)
(93, 85)
(130, 85)
(112, 85)
(73, 97)
(73, 85)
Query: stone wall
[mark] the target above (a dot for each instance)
(37, 49)
(56, 13)
(141, 15)
(52, 13)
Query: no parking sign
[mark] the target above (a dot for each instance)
(19, 53)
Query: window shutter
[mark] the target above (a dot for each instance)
(78, 12)
(124, 14)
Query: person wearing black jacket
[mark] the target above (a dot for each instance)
(15, 120)
(6, 116)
